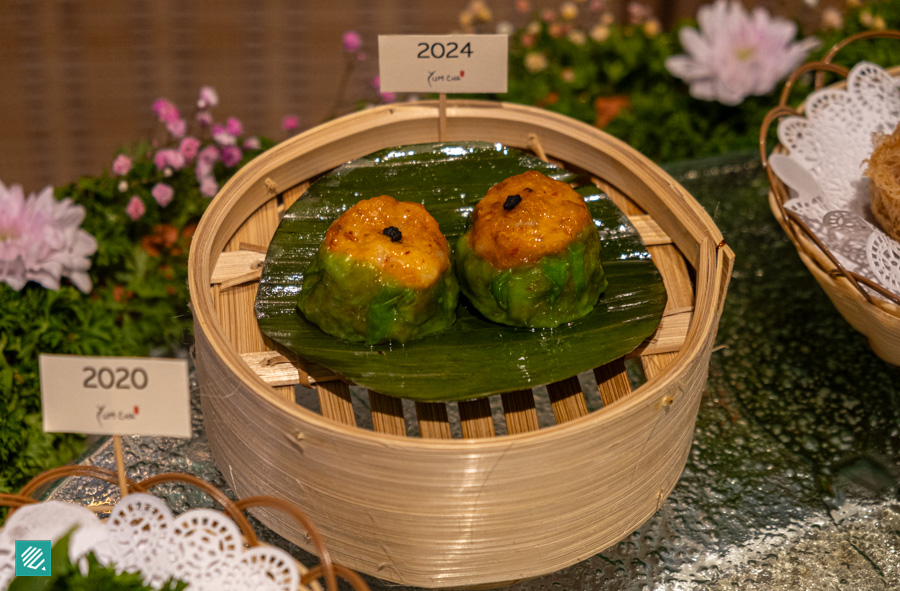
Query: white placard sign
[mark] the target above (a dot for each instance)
(115, 395)
(443, 63)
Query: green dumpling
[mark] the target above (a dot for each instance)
(383, 273)
(531, 254)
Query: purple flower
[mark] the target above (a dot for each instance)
(189, 147)
(208, 186)
(165, 110)
(135, 208)
(176, 127)
(736, 54)
(231, 155)
(41, 240)
(208, 98)
(121, 165)
(290, 122)
(352, 41)
(233, 126)
(252, 143)
(204, 118)
(169, 157)
(163, 194)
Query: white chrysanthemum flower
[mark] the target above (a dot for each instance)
(41, 240)
(736, 54)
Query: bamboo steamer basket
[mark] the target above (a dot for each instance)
(877, 318)
(443, 510)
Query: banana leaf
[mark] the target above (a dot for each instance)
(474, 357)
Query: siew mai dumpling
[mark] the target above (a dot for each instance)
(531, 254)
(383, 272)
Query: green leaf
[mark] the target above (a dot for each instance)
(474, 357)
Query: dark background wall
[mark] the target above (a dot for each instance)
(79, 76)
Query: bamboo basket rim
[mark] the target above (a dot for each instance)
(710, 281)
(814, 253)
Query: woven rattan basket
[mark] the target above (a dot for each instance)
(878, 318)
(235, 510)
(444, 510)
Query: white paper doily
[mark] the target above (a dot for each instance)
(202, 547)
(828, 148)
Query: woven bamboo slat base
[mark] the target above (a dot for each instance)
(499, 496)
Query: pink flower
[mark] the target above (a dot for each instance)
(548, 15)
(222, 136)
(290, 122)
(189, 147)
(252, 143)
(208, 155)
(41, 240)
(638, 13)
(208, 98)
(206, 160)
(204, 118)
(387, 97)
(352, 41)
(163, 194)
(208, 186)
(234, 126)
(169, 157)
(165, 110)
(176, 127)
(736, 54)
(523, 6)
(231, 155)
(121, 165)
(135, 208)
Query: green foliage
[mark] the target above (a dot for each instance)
(35, 321)
(885, 52)
(66, 576)
(662, 120)
(138, 305)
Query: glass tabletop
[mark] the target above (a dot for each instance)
(792, 479)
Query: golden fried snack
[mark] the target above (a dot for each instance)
(531, 255)
(547, 216)
(884, 175)
(382, 273)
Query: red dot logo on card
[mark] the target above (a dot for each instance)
(137, 409)
(462, 73)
